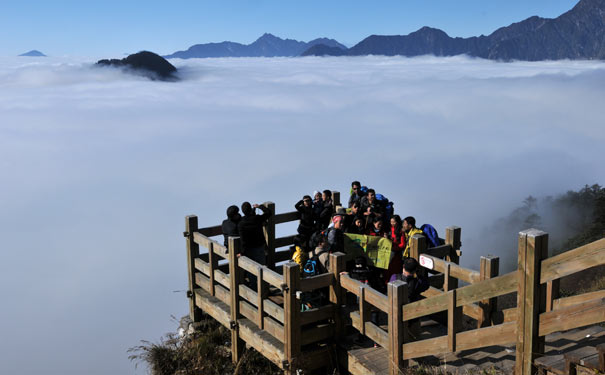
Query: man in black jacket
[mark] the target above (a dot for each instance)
(230, 224)
(251, 234)
(307, 221)
(326, 213)
(417, 283)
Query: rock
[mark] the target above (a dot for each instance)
(145, 63)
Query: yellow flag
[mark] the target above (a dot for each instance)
(376, 249)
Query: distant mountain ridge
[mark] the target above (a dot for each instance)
(576, 34)
(267, 45)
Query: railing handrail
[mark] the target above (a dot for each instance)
(572, 261)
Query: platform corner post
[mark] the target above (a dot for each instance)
(397, 292)
(235, 274)
(292, 329)
(193, 252)
(531, 299)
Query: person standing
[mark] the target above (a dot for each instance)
(327, 210)
(398, 237)
(251, 234)
(409, 228)
(307, 217)
(229, 225)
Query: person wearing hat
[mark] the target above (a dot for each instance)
(335, 234)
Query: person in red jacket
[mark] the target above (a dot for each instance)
(376, 229)
(398, 238)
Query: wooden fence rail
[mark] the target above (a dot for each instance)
(268, 316)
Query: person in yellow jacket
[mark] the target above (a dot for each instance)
(300, 254)
(409, 228)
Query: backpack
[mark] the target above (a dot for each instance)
(431, 235)
(311, 268)
(389, 210)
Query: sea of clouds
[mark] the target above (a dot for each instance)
(99, 168)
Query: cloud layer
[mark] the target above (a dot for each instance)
(99, 169)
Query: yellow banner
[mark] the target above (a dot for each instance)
(377, 249)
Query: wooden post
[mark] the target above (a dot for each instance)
(212, 264)
(337, 265)
(193, 252)
(335, 199)
(452, 238)
(262, 292)
(446, 278)
(397, 292)
(269, 230)
(417, 246)
(531, 299)
(235, 274)
(292, 333)
(454, 320)
(364, 310)
(552, 293)
(487, 270)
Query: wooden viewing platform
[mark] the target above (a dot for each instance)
(542, 333)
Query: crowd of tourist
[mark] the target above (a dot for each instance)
(321, 231)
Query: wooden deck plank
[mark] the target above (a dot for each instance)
(554, 364)
(365, 361)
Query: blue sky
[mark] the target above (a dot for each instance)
(93, 28)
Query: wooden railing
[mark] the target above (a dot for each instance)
(276, 327)
(528, 323)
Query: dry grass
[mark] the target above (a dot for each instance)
(440, 370)
(206, 352)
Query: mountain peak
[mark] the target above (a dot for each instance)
(33, 53)
(268, 37)
(426, 30)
